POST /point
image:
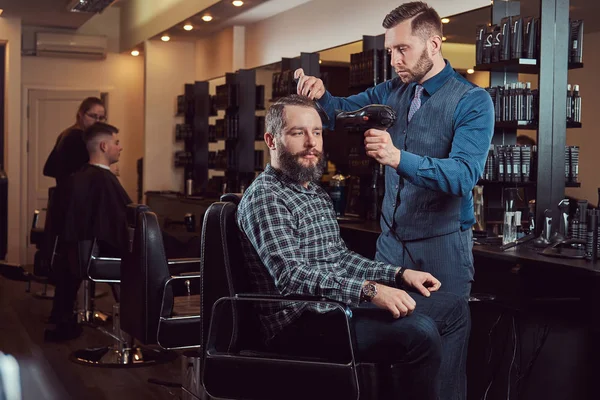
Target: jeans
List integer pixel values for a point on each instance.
(427, 350)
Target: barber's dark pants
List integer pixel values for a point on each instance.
(426, 349)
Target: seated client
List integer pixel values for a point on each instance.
(292, 245)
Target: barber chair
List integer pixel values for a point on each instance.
(46, 244)
(236, 364)
(158, 307)
(93, 268)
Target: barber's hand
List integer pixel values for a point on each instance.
(424, 282)
(379, 145)
(309, 86)
(397, 301)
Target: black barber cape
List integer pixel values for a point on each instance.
(96, 209)
(67, 156)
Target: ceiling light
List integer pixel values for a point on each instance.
(1, 11)
(206, 18)
(470, 71)
(444, 38)
(445, 20)
(165, 38)
(188, 27)
(237, 3)
(135, 53)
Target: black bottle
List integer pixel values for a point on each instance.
(576, 104)
(569, 104)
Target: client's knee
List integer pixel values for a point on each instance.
(425, 342)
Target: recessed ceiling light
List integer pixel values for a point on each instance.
(470, 71)
(1, 11)
(445, 20)
(206, 18)
(165, 38)
(188, 27)
(135, 53)
(237, 3)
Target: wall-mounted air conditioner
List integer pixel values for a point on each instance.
(71, 45)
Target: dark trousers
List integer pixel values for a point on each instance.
(427, 350)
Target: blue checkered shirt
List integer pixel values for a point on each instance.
(292, 245)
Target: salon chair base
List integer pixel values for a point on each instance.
(112, 356)
(47, 293)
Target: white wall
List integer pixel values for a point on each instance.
(323, 24)
(106, 24)
(168, 67)
(10, 33)
(214, 55)
(122, 76)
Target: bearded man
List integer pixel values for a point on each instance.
(292, 245)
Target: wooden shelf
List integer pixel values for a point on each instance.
(521, 65)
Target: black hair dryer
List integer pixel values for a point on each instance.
(373, 116)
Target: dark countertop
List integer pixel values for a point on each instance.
(521, 254)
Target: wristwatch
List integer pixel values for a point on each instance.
(369, 290)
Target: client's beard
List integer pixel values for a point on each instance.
(290, 165)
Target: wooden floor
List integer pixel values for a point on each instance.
(46, 371)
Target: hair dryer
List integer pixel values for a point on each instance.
(373, 116)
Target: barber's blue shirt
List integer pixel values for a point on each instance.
(474, 122)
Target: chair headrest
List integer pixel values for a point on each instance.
(132, 211)
(231, 198)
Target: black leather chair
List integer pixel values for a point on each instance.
(236, 364)
(157, 306)
(93, 268)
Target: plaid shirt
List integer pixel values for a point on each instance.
(292, 245)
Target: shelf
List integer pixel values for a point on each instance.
(521, 65)
(532, 125)
(483, 182)
(504, 183)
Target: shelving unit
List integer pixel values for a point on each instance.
(194, 106)
(551, 125)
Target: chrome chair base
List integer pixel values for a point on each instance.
(47, 293)
(111, 356)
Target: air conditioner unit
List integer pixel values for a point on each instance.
(71, 45)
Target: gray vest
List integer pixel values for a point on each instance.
(422, 213)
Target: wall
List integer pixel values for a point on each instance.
(168, 67)
(10, 33)
(106, 24)
(122, 77)
(214, 55)
(587, 137)
(310, 26)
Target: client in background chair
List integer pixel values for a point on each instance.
(292, 245)
(97, 210)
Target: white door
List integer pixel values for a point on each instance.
(49, 113)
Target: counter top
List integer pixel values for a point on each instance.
(524, 253)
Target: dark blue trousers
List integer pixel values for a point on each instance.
(427, 350)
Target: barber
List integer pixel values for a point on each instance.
(434, 154)
(68, 156)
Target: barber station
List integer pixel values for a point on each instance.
(201, 201)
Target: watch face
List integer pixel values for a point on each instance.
(369, 291)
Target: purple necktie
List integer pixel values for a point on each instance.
(415, 104)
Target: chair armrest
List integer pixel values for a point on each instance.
(289, 297)
(179, 261)
(169, 281)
